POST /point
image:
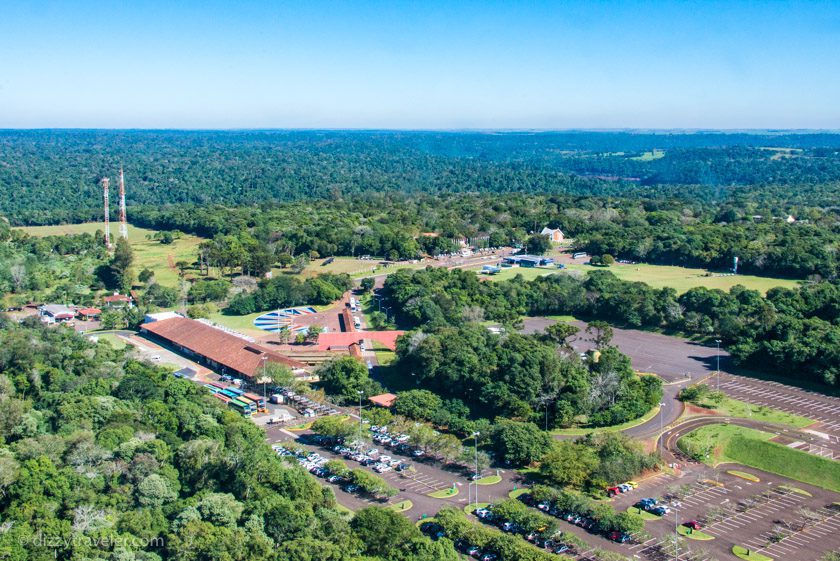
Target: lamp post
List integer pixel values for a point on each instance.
(676, 532)
(264, 359)
(717, 352)
(661, 424)
(475, 436)
(360, 392)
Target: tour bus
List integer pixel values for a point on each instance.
(259, 400)
(213, 389)
(237, 391)
(357, 322)
(222, 398)
(217, 385)
(227, 393)
(579, 255)
(239, 407)
(353, 304)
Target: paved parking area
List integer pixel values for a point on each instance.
(757, 513)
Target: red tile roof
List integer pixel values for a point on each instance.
(89, 312)
(383, 400)
(117, 298)
(335, 339)
(214, 344)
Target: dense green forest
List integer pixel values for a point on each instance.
(52, 175)
(669, 231)
(787, 331)
(103, 457)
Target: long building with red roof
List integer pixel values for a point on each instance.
(218, 349)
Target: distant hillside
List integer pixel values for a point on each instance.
(49, 176)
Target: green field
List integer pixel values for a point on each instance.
(112, 340)
(729, 443)
(734, 408)
(151, 254)
(528, 273)
(356, 268)
(242, 324)
(682, 279)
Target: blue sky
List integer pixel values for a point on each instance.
(428, 65)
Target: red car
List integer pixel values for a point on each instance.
(693, 524)
(613, 491)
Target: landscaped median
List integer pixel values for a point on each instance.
(614, 428)
(748, 554)
(720, 443)
(702, 395)
(687, 532)
(643, 514)
(444, 493)
(489, 480)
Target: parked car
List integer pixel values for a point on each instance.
(619, 537)
(693, 524)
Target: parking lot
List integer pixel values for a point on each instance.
(765, 516)
(424, 477)
(824, 409)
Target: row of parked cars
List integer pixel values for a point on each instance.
(581, 520)
(621, 488)
(381, 463)
(397, 441)
(537, 538)
(314, 463)
(436, 531)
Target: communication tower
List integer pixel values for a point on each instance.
(105, 183)
(123, 223)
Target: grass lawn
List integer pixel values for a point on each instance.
(713, 441)
(728, 443)
(356, 268)
(735, 408)
(443, 493)
(472, 507)
(112, 340)
(682, 279)
(528, 273)
(796, 490)
(643, 514)
(402, 506)
(749, 555)
(489, 480)
(518, 492)
(148, 253)
(693, 534)
(623, 426)
(744, 475)
(650, 155)
(384, 356)
(243, 324)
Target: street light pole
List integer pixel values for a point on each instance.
(661, 424)
(676, 533)
(264, 364)
(360, 392)
(475, 436)
(717, 345)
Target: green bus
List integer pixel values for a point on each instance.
(240, 407)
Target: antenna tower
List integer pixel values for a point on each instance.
(105, 183)
(123, 223)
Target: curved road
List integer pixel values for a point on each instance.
(670, 437)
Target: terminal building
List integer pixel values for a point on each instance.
(218, 349)
(528, 260)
